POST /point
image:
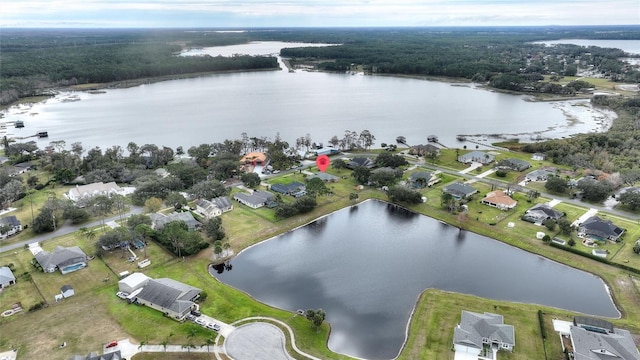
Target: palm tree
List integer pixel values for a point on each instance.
(226, 247)
(208, 342)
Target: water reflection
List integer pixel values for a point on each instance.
(368, 267)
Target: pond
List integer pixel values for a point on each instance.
(366, 266)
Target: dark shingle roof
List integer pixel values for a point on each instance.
(604, 228)
(10, 220)
(459, 189)
(169, 294)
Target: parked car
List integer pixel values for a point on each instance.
(111, 344)
(200, 321)
(213, 326)
(196, 313)
(191, 317)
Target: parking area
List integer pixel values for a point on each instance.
(213, 324)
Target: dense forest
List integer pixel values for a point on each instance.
(34, 61)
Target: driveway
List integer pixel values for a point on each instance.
(256, 340)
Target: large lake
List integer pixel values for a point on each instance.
(217, 107)
(366, 266)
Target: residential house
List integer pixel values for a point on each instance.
(476, 156)
(538, 156)
(82, 193)
(324, 177)
(22, 167)
(254, 158)
(422, 150)
(114, 355)
(541, 212)
(9, 225)
(294, 189)
(215, 207)
(539, 175)
(171, 297)
(163, 173)
(255, 199)
(459, 190)
(421, 179)
(513, 164)
(223, 203)
(476, 332)
(596, 339)
(6, 277)
(498, 199)
(599, 229)
(67, 291)
(133, 282)
(158, 222)
(326, 151)
(361, 161)
(64, 259)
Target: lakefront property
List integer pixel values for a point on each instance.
(248, 226)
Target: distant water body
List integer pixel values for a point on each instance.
(629, 46)
(208, 109)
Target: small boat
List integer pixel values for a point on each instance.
(19, 124)
(42, 134)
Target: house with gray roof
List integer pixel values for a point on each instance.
(324, 177)
(541, 212)
(422, 179)
(171, 297)
(255, 199)
(459, 190)
(596, 339)
(114, 355)
(476, 332)
(159, 222)
(214, 207)
(361, 161)
(422, 150)
(539, 175)
(64, 259)
(9, 225)
(513, 164)
(477, 157)
(6, 277)
(599, 229)
(294, 189)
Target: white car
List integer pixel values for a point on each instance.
(122, 295)
(213, 326)
(200, 321)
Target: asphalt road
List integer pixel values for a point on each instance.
(68, 228)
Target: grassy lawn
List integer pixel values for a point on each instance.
(438, 312)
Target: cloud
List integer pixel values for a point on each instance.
(232, 13)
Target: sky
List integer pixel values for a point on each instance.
(314, 13)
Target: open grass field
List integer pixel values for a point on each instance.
(432, 339)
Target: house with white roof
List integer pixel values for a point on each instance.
(6, 277)
(82, 193)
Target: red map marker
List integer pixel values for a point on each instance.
(323, 162)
